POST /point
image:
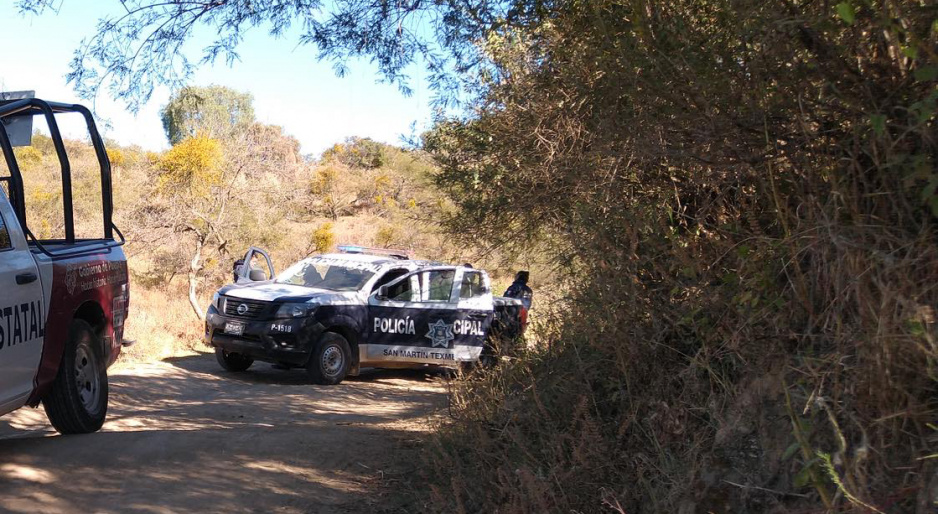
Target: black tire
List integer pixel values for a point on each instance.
(330, 361)
(232, 361)
(77, 403)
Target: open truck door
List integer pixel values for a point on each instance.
(255, 266)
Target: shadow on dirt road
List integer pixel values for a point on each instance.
(184, 436)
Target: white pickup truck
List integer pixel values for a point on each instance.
(62, 301)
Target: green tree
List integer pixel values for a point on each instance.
(193, 165)
(212, 195)
(145, 44)
(192, 185)
(323, 239)
(214, 111)
(357, 152)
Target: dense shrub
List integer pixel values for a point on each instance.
(323, 238)
(741, 196)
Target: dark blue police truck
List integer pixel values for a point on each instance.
(334, 314)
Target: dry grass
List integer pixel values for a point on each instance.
(162, 324)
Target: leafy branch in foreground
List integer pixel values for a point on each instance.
(143, 46)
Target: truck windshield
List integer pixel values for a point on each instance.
(329, 274)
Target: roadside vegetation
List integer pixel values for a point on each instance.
(742, 197)
(737, 205)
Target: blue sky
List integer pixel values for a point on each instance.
(290, 87)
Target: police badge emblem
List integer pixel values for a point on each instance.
(440, 334)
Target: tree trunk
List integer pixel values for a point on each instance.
(194, 266)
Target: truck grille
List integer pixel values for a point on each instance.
(252, 309)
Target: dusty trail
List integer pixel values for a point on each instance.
(184, 436)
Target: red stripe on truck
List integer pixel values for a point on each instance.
(83, 287)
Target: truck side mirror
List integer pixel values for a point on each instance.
(257, 275)
(382, 293)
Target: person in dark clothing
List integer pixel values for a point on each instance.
(237, 268)
(519, 289)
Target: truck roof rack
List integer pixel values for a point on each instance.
(387, 252)
(12, 108)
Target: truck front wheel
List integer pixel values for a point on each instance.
(232, 361)
(77, 403)
(330, 360)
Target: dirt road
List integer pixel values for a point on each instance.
(183, 436)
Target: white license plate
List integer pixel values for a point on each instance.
(234, 328)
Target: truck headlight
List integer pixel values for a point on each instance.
(218, 301)
(296, 310)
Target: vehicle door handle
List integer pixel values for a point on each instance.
(478, 315)
(26, 278)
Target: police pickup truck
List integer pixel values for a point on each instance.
(334, 314)
(62, 301)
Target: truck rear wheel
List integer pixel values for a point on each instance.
(330, 360)
(77, 403)
(232, 361)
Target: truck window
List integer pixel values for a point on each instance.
(389, 277)
(428, 286)
(436, 285)
(472, 285)
(403, 291)
(5, 243)
(322, 273)
(259, 263)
